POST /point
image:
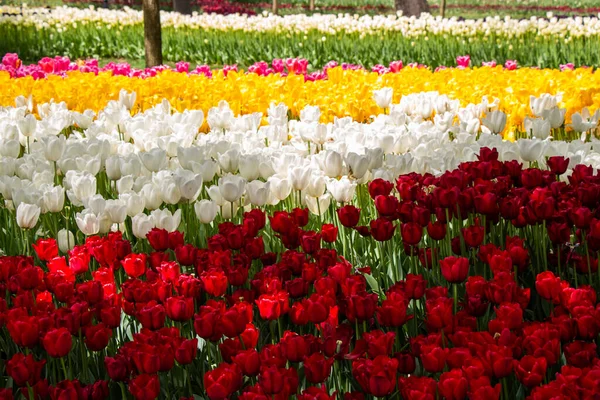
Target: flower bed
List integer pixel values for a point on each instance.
(367, 40)
(342, 91)
(223, 234)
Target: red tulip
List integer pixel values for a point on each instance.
(57, 342)
(376, 377)
(180, 308)
(317, 368)
(453, 385)
(531, 370)
(186, 352)
(158, 239)
(145, 387)
(248, 361)
(46, 249)
(223, 381)
(455, 269)
(134, 265)
(97, 337)
(329, 233)
(349, 216)
(24, 370)
(382, 229)
(215, 282)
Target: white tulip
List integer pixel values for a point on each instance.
(556, 116)
(163, 219)
(170, 191)
(134, 203)
(229, 161)
(342, 190)
(152, 196)
(281, 188)
(277, 114)
(113, 167)
(96, 204)
(359, 165)
(258, 192)
(54, 199)
(538, 128)
(141, 224)
(317, 186)
(206, 211)
(154, 160)
(300, 177)
(383, 97)
(332, 164)
(318, 205)
(544, 102)
(126, 99)
(310, 114)
(190, 184)
(27, 125)
(220, 118)
(28, 215)
(232, 187)
(10, 148)
(125, 184)
(66, 240)
(87, 222)
(248, 166)
(54, 147)
(116, 210)
(229, 209)
(495, 121)
(530, 149)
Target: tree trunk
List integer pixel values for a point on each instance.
(182, 6)
(275, 7)
(152, 34)
(412, 7)
(443, 8)
(311, 5)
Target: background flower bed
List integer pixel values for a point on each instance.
(67, 33)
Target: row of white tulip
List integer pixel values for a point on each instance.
(70, 17)
(154, 165)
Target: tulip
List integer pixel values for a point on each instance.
(455, 269)
(258, 192)
(57, 342)
(66, 240)
(154, 160)
(54, 199)
(54, 147)
(142, 224)
(383, 97)
(232, 187)
(495, 121)
(206, 211)
(320, 205)
(538, 128)
(28, 215)
(163, 219)
(342, 190)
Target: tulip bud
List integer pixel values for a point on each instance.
(163, 219)
(66, 240)
(154, 160)
(206, 211)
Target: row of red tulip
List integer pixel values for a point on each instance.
(480, 283)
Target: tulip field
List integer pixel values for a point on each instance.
(323, 207)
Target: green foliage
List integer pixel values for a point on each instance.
(243, 48)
